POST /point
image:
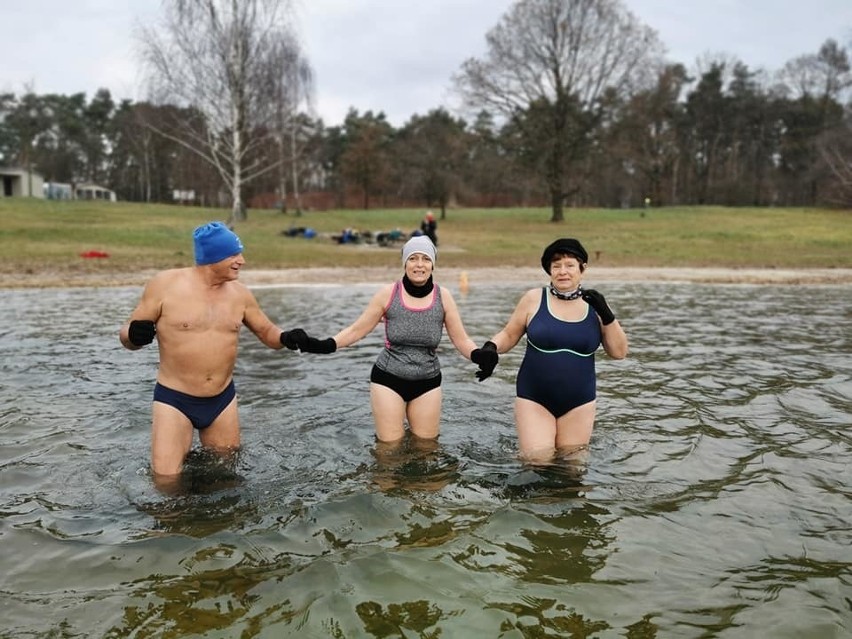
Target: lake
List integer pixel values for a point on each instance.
(715, 500)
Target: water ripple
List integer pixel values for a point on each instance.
(714, 501)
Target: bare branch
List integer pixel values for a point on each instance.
(551, 62)
(222, 61)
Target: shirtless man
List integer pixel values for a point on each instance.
(196, 314)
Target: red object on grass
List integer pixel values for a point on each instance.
(89, 254)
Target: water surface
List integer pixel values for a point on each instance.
(715, 500)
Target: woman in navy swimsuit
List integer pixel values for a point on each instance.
(565, 324)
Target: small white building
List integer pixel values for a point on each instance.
(16, 182)
(94, 192)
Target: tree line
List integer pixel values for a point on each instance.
(573, 104)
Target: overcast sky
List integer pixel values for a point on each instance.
(396, 56)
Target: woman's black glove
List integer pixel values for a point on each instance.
(141, 332)
(294, 339)
(597, 302)
(486, 357)
(321, 346)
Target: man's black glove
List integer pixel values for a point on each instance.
(486, 357)
(321, 346)
(294, 339)
(597, 302)
(141, 332)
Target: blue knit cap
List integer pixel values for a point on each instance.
(215, 242)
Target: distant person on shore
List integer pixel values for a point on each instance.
(196, 314)
(429, 227)
(405, 382)
(556, 383)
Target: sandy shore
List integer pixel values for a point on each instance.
(449, 276)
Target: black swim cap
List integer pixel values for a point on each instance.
(567, 245)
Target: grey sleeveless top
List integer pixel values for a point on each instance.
(411, 337)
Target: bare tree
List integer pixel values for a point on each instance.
(562, 58)
(835, 147)
(295, 91)
(219, 59)
(819, 83)
(825, 75)
(135, 121)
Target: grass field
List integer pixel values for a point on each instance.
(50, 235)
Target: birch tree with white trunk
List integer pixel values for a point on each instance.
(220, 60)
(295, 89)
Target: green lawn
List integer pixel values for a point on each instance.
(50, 235)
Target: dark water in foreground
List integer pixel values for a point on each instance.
(716, 500)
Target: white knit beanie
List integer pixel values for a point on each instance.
(418, 244)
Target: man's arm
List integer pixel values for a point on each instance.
(141, 328)
(259, 324)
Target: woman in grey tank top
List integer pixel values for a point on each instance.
(405, 383)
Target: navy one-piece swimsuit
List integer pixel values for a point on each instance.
(558, 370)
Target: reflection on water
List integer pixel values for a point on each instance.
(414, 464)
(713, 500)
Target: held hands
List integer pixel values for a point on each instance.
(293, 339)
(299, 339)
(486, 357)
(321, 346)
(141, 332)
(597, 302)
